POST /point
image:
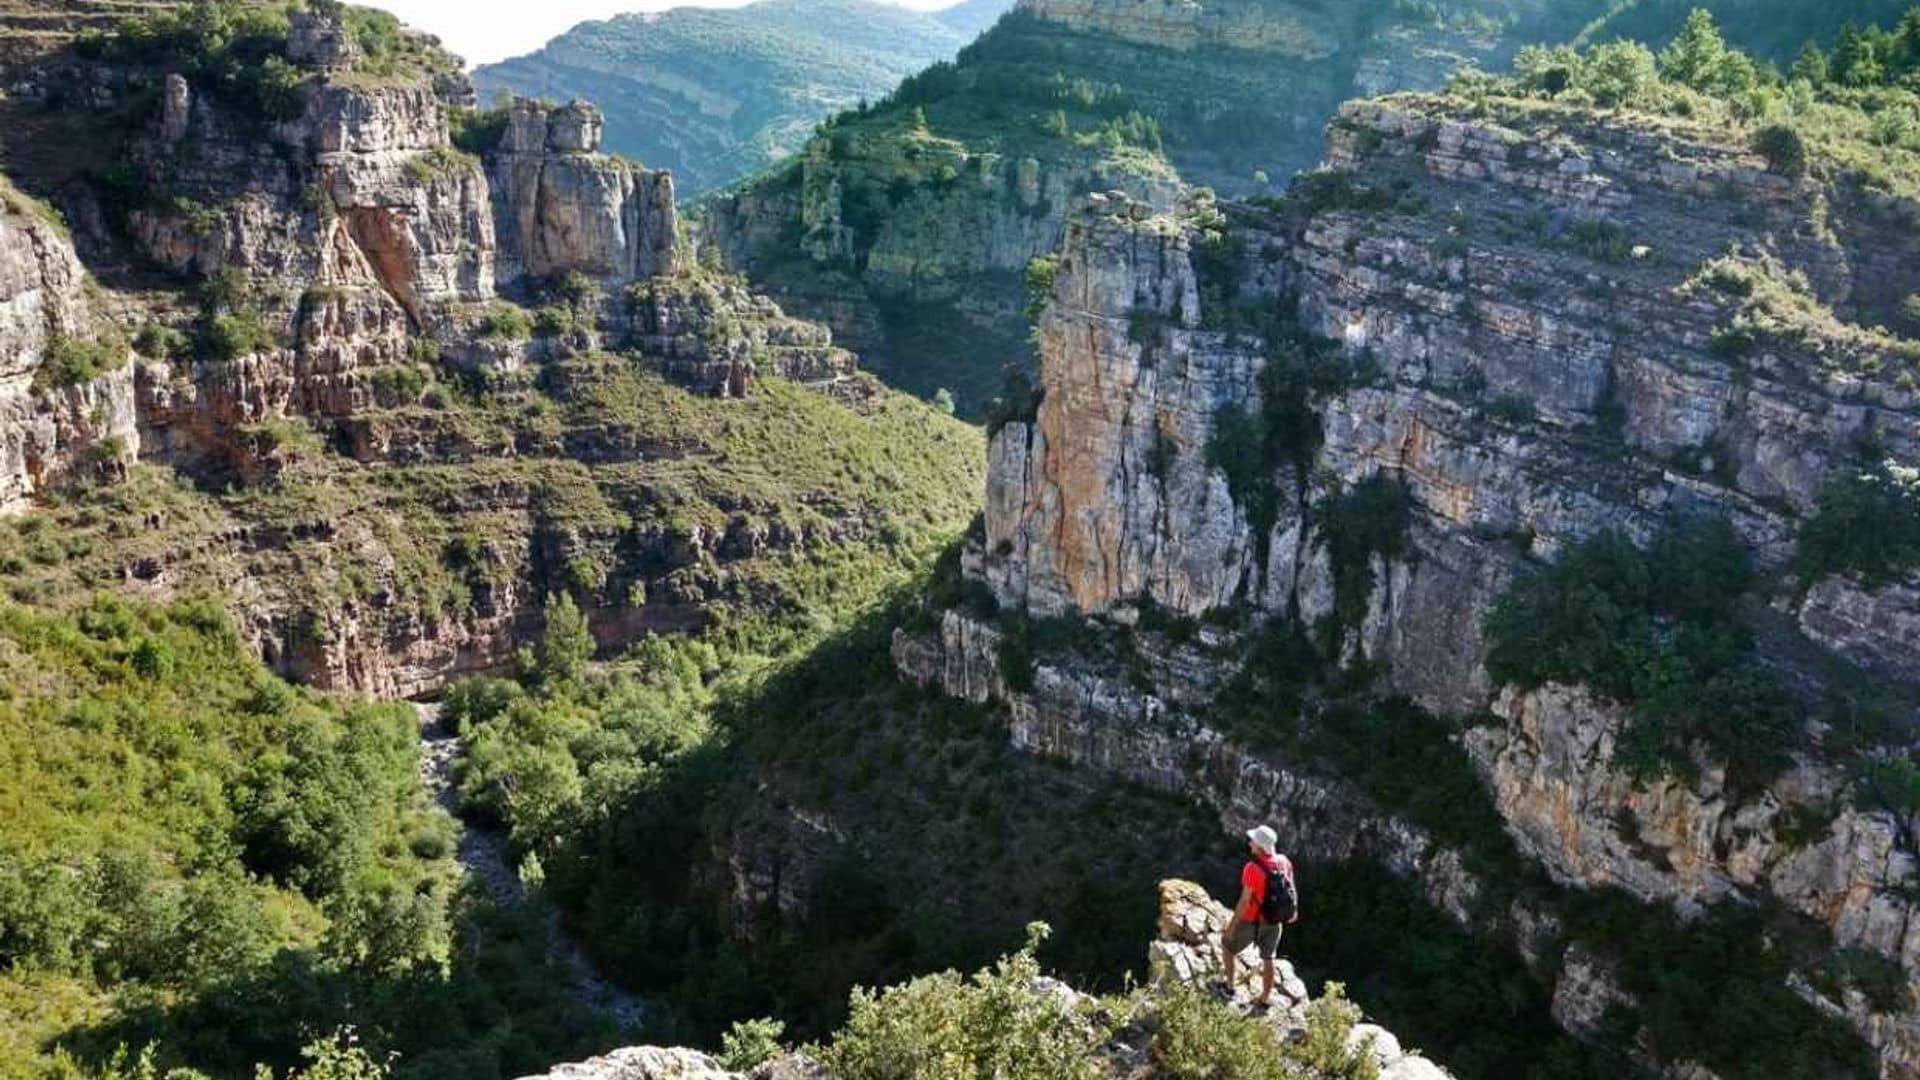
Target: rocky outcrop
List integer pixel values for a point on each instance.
(55, 425)
(716, 335)
(356, 310)
(657, 1063)
(1522, 337)
(1185, 953)
(566, 208)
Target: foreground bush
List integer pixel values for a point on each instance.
(1002, 1023)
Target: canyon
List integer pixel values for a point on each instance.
(1285, 522)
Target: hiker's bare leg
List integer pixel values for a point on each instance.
(1226, 958)
(1266, 980)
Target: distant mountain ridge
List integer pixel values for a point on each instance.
(714, 94)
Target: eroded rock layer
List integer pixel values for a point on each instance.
(1523, 327)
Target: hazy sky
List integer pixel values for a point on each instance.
(495, 29)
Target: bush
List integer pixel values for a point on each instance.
(566, 645)
(161, 342)
(1002, 1022)
(1368, 519)
(1513, 409)
(232, 335)
(750, 1043)
(1202, 1038)
(479, 131)
(1658, 630)
(1784, 149)
(72, 361)
(505, 322)
(1866, 524)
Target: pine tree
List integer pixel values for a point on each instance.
(1906, 42)
(1698, 55)
(567, 644)
(1855, 61)
(1811, 65)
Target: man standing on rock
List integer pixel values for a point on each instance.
(1267, 899)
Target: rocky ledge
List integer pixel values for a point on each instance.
(1185, 954)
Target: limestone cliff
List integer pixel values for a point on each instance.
(66, 399)
(907, 226)
(1521, 319)
(434, 385)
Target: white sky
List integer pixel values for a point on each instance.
(495, 29)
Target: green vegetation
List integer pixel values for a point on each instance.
(234, 860)
(238, 50)
(503, 321)
(1366, 521)
(1835, 115)
(1784, 149)
(1002, 1023)
(649, 752)
(1770, 307)
(1658, 629)
(73, 361)
(233, 49)
(1773, 30)
(1866, 525)
(1744, 1020)
(1257, 447)
(231, 325)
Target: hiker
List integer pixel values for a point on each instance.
(1268, 898)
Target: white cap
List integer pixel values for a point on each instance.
(1264, 838)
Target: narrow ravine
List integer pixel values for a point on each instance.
(483, 857)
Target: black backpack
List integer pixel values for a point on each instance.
(1282, 900)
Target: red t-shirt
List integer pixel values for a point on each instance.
(1254, 879)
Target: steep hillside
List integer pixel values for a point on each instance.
(327, 375)
(713, 95)
(909, 226)
(1477, 512)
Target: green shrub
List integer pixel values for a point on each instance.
(398, 384)
(232, 336)
(1042, 271)
(1513, 409)
(1784, 149)
(554, 320)
(162, 342)
(1202, 1038)
(1368, 519)
(1601, 240)
(566, 645)
(750, 1043)
(479, 131)
(1866, 524)
(505, 322)
(72, 361)
(1658, 630)
(1001, 1022)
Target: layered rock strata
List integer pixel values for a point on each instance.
(355, 302)
(1530, 330)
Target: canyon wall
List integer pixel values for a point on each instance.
(1521, 332)
(306, 304)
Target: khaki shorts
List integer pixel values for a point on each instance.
(1246, 933)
